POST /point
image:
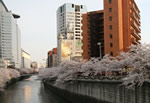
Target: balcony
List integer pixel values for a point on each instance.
(133, 8)
(136, 19)
(138, 22)
(135, 26)
(136, 35)
(137, 15)
(131, 14)
(133, 40)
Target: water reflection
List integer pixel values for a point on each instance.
(29, 91)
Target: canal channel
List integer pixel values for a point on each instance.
(30, 90)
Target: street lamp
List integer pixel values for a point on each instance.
(99, 44)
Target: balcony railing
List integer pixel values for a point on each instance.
(135, 34)
(136, 19)
(135, 10)
(135, 26)
(133, 41)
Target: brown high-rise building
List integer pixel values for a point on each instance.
(121, 29)
(93, 32)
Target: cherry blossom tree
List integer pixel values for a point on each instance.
(136, 64)
(138, 59)
(6, 75)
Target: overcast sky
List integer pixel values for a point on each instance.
(38, 22)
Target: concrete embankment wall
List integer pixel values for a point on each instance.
(102, 92)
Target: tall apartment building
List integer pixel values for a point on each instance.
(121, 27)
(69, 25)
(93, 33)
(10, 48)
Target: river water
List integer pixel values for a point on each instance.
(29, 91)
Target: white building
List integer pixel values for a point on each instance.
(10, 46)
(69, 25)
(26, 59)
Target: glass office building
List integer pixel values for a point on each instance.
(69, 25)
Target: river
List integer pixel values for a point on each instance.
(30, 90)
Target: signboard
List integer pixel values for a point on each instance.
(66, 50)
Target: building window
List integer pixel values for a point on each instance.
(111, 44)
(77, 34)
(77, 22)
(81, 7)
(77, 8)
(72, 5)
(110, 18)
(110, 9)
(110, 35)
(111, 53)
(110, 1)
(77, 25)
(110, 27)
(77, 31)
(77, 28)
(61, 10)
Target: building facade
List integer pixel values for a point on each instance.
(121, 28)
(52, 58)
(65, 48)
(69, 25)
(93, 33)
(26, 59)
(10, 46)
(49, 59)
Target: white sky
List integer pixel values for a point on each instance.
(38, 22)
